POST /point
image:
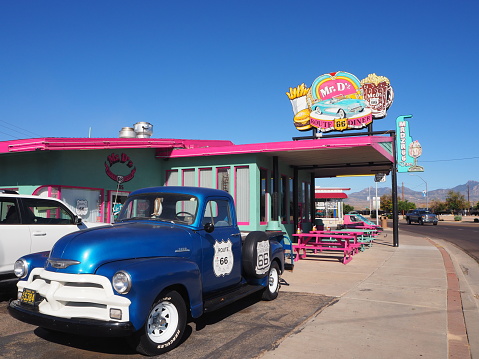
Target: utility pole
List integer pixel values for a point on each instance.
(468, 203)
(427, 194)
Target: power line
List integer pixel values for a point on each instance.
(17, 138)
(17, 129)
(453, 159)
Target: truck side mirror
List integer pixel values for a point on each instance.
(209, 227)
(78, 220)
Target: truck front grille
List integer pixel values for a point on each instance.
(87, 296)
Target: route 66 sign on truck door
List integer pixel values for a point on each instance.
(223, 259)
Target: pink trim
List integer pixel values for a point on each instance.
(343, 142)
(50, 143)
(243, 223)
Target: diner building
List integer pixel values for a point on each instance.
(273, 184)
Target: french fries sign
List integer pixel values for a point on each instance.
(338, 101)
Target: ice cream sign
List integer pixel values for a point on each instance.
(407, 150)
(338, 101)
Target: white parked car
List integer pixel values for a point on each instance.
(30, 224)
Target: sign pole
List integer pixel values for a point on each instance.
(394, 186)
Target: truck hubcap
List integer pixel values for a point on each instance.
(273, 280)
(162, 322)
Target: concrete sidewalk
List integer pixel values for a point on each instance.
(393, 302)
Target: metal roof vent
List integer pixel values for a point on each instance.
(127, 132)
(143, 129)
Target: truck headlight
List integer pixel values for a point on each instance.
(20, 268)
(121, 282)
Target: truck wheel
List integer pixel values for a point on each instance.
(256, 255)
(272, 290)
(164, 326)
(408, 221)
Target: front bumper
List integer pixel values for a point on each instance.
(89, 327)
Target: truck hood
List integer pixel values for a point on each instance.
(97, 246)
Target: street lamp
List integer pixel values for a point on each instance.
(427, 194)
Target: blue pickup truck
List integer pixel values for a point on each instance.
(173, 254)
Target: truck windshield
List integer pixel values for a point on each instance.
(166, 207)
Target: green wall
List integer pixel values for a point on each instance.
(86, 168)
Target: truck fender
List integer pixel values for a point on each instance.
(256, 255)
(35, 260)
(151, 276)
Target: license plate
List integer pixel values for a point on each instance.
(28, 296)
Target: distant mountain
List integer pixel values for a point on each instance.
(359, 200)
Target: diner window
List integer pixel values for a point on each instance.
(171, 178)
(306, 195)
(264, 191)
(188, 177)
(291, 200)
(242, 195)
(284, 198)
(223, 179)
(86, 203)
(206, 177)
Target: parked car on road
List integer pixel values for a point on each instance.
(421, 216)
(31, 224)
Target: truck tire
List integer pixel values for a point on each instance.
(272, 289)
(164, 326)
(256, 255)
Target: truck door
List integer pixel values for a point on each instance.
(221, 249)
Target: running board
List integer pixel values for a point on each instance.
(227, 297)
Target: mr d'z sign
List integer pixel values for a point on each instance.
(124, 159)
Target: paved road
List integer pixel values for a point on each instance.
(463, 235)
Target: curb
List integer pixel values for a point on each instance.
(458, 342)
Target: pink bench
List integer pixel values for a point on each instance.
(347, 243)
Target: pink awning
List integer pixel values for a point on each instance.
(330, 195)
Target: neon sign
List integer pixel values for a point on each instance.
(338, 101)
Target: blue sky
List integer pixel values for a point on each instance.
(220, 69)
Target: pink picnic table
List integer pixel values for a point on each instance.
(346, 242)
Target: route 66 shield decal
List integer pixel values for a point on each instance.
(223, 259)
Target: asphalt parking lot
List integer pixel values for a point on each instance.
(241, 330)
